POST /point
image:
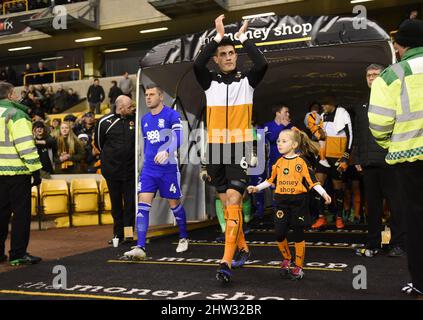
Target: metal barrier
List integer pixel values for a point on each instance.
(53, 73)
(6, 4)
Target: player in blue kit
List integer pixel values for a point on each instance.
(162, 132)
(273, 129)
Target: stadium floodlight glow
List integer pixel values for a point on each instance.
(359, 1)
(154, 30)
(115, 50)
(258, 15)
(19, 49)
(52, 58)
(88, 39)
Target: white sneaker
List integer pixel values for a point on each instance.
(182, 245)
(136, 253)
(324, 163)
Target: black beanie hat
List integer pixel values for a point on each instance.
(410, 33)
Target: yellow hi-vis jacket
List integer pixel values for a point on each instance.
(396, 109)
(18, 154)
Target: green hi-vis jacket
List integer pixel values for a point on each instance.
(18, 154)
(396, 109)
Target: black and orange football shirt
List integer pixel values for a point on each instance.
(292, 175)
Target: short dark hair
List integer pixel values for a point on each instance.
(5, 89)
(152, 86)
(314, 103)
(226, 42)
(328, 100)
(114, 82)
(70, 117)
(38, 124)
(278, 107)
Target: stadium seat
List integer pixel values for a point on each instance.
(54, 197)
(34, 201)
(84, 199)
(106, 217)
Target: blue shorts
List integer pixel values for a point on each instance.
(167, 183)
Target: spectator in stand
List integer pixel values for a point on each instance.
(86, 126)
(49, 100)
(59, 100)
(3, 75)
(29, 79)
(72, 120)
(413, 14)
(11, 75)
(55, 127)
(114, 92)
(39, 93)
(43, 78)
(38, 115)
(70, 151)
(126, 85)
(46, 146)
(71, 98)
(30, 102)
(95, 96)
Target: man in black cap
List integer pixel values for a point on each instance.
(396, 122)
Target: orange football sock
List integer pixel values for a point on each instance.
(299, 253)
(284, 249)
(232, 234)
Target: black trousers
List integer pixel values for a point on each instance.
(409, 177)
(379, 184)
(122, 197)
(15, 196)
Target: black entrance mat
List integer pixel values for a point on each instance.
(332, 271)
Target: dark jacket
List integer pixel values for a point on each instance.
(95, 94)
(115, 138)
(114, 93)
(43, 152)
(366, 151)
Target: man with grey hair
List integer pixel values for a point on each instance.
(378, 180)
(115, 138)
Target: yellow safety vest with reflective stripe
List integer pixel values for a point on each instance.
(18, 154)
(396, 109)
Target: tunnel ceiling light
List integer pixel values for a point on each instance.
(52, 58)
(88, 39)
(115, 50)
(359, 1)
(19, 49)
(154, 30)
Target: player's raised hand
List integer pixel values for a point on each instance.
(243, 29)
(161, 157)
(327, 198)
(252, 189)
(220, 28)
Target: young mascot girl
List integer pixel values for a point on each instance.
(294, 177)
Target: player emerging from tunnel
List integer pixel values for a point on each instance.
(229, 95)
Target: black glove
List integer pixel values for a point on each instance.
(203, 174)
(36, 178)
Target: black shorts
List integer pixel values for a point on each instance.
(224, 167)
(351, 174)
(295, 208)
(331, 172)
